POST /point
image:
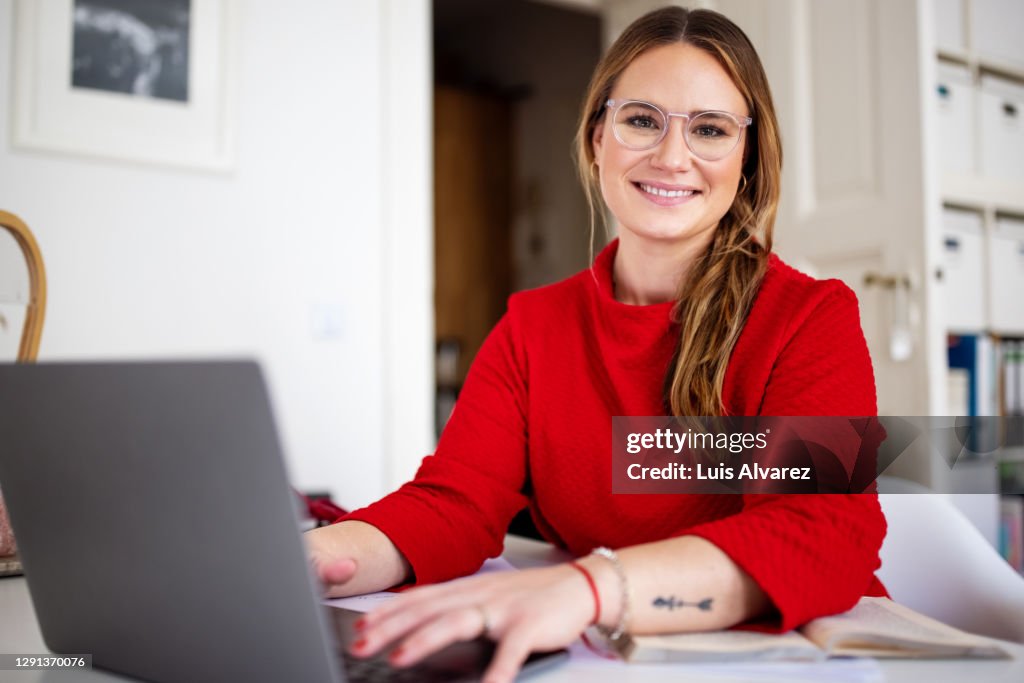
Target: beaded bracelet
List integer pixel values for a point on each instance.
(611, 556)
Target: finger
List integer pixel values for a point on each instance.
(337, 571)
(389, 609)
(376, 634)
(439, 597)
(333, 573)
(450, 627)
(512, 651)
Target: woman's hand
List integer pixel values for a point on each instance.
(353, 557)
(523, 611)
(332, 565)
(333, 571)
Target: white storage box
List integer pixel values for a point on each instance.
(954, 93)
(1001, 119)
(997, 28)
(963, 270)
(949, 25)
(1006, 276)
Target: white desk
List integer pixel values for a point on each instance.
(19, 633)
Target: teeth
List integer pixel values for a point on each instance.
(665, 193)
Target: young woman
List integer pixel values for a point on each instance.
(686, 313)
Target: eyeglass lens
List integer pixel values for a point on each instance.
(710, 135)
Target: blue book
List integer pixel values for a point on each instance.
(977, 355)
(963, 354)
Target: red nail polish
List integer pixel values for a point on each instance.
(360, 623)
(395, 655)
(359, 644)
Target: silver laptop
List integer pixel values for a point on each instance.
(158, 532)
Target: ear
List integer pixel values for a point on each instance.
(597, 139)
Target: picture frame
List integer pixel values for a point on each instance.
(52, 115)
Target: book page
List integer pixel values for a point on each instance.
(878, 627)
(720, 646)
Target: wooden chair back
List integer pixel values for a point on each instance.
(35, 311)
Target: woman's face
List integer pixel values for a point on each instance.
(678, 78)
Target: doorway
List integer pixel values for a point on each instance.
(509, 213)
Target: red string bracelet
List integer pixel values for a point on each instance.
(593, 589)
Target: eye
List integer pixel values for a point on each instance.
(708, 131)
(713, 126)
(642, 122)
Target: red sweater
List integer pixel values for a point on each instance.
(532, 426)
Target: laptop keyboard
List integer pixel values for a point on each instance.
(379, 671)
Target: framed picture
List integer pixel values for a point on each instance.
(136, 80)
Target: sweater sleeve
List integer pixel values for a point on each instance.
(455, 513)
(815, 554)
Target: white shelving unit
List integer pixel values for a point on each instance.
(979, 102)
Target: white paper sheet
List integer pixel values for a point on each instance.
(365, 603)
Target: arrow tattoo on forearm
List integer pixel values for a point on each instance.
(672, 602)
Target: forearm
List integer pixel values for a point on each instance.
(379, 564)
(679, 584)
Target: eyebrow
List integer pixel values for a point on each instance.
(692, 112)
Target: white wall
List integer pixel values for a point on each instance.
(155, 262)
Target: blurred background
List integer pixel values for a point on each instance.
(348, 192)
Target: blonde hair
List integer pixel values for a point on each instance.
(716, 295)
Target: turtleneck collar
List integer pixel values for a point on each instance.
(604, 275)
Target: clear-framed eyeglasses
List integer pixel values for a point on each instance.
(710, 135)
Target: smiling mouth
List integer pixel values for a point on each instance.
(662, 192)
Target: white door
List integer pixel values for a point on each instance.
(848, 85)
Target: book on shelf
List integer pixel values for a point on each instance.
(1011, 530)
(958, 391)
(1013, 376)
(1012, 394)
(875, 627)
(974, 356)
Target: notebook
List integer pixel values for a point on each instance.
(158, 531)
(10, 566)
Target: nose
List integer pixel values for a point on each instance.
(672, 153)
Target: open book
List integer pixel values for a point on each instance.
(875, 627)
